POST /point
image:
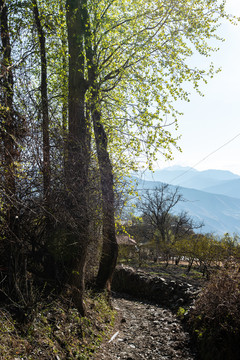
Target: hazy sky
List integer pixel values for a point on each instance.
(211, 121)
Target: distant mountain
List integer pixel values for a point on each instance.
(208, 180)
(169, 175)
(220, 174)
(219, 213)
(229, 188)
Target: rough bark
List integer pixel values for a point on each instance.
(78, 152)
(64, 99)
(7, 119)
(44, 106)
(10, 152)
(109, 248)
(49, 263)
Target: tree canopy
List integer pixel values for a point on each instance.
(85, 88)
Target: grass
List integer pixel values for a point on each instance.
(171, 271)
(56, 331)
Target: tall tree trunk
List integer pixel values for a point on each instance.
(45, 112)
(49, 263)
(8, 134)
(7, 103)
(109, 247)
(64, 94)
(78, 151)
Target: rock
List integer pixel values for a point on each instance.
(149, 333)
(170, 293)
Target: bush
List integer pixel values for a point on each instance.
(215, 317)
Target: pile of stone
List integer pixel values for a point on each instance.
(169, 293)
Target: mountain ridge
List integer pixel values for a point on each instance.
(220, 213)
(213, 181)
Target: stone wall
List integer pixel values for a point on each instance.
(169, 293)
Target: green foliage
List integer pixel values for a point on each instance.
(140, 55)
(205, 252)
(135, 66)
(230, 246)
(181, 313)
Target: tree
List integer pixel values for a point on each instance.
(95, 97)
(78, 149)
(157, 208)
(144, 71)
(44, 105)
(133, 43)
(9, 144)
(9, 134)
(8, 124)
(139, 37)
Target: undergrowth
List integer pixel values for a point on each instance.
(56, 331)
(215, 317)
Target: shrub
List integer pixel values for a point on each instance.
(215, 317)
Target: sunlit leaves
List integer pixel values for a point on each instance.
(141, 51)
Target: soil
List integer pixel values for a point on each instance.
(142, 330)
(147, 331)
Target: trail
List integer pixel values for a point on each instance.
(145, 331)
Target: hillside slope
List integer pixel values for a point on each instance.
(229, 188)
(208, 180)
(219, 213)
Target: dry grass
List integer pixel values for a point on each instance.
(215, 318)
(56, 331)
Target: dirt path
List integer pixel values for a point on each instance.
(145, 331)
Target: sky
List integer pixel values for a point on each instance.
(212, 121)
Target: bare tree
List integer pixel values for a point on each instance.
(157, 209)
